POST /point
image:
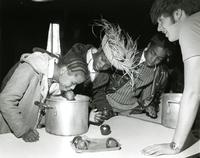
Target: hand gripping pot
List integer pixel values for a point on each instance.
(170, 109)
(67, 117)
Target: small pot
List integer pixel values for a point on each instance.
(170, 109)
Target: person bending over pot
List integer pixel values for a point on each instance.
(117, 50)
(30, 81)
(139, 93)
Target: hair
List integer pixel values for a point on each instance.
(73, 64)
(160, 40)
(167, 8)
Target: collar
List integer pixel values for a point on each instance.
(142, 59)
(89, 60)
(51, 67)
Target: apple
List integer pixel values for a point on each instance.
(105, 129)
(82, 145)
(111, 143)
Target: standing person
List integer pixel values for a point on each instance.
(180, 20)
(37, 75)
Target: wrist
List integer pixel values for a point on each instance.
(174, 146)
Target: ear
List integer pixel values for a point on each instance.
(177, 14)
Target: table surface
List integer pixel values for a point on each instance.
(133, 135)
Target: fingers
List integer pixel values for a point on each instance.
(98, 117)
(158, 149)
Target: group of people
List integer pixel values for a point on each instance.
(116, 76)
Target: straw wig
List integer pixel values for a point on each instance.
(119, 48)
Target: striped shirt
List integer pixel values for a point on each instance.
(127, 94)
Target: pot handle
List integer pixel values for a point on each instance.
(168, 104)
(42, 105)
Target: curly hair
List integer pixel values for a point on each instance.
(167, 7)
(160, 40)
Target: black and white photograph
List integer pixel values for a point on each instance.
(99, 78)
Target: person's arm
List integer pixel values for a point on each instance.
(189, 102)
(187, 113)
(99, 99)
(11, 96)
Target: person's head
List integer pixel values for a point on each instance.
(117, 49)
(100, 61)
(70, 72)
(170, 13)
(157, 50)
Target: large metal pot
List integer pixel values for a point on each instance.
(66, 117)
(170, 109)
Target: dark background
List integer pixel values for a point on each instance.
(24, 24)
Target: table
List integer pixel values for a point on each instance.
(133, 134)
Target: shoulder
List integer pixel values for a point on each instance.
(189, 38)
(190, 26)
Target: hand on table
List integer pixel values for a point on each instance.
(159, 149)
(31, 135)
(96, 116)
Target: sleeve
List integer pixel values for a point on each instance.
(8, 76)
(11, 96)
(152, 96)
(189, 39)
(145, 96)
(99, 99)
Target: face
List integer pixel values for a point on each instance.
(68, 79)
(154, 55)
(169, 27)
(100, 62)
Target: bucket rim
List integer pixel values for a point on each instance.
(60, 98)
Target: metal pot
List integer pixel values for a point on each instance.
(67, 117)
(170, 109)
